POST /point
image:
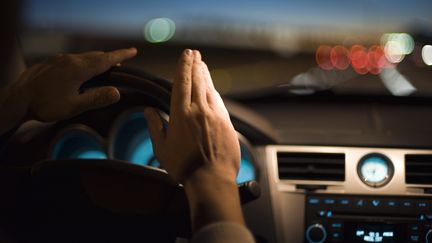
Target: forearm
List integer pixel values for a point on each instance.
(213, 198)
(13, 108)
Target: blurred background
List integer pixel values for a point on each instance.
(365, 47)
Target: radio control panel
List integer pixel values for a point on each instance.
(356, 218)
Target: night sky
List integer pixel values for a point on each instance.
(128, 14)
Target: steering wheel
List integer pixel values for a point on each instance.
(110, 198)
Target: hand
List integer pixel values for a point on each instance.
(200, 147)
(200, 137)
(51, 88)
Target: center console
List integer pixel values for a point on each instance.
(344, 218)
(350, 194)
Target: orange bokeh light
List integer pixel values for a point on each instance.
(359, 57)
(323, 57)
(339, 57)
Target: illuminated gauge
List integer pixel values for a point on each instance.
(375, 170)
(132, 141)
(247, 168)
(78, 142)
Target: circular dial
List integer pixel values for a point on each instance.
(316, 233)
(375, 170)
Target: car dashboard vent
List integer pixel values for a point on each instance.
(311, 166)
(418, 168)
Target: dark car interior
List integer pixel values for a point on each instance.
(331, 103)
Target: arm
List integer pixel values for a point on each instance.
(49, 91)
(200, 148)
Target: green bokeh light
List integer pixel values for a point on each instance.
(159, 30)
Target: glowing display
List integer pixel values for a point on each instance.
(374, 169)
(78, 144)
(247, 169)
(91, 154)
(133, 143)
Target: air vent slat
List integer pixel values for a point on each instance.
(418, 168)
(311, 166)
(309, 160)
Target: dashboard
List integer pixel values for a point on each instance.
(327, 171)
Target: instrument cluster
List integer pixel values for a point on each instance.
(128, 140)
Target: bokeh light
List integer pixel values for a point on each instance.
(339, 57)
(427, 54)
(397, 46)
(358, 56)
(323, 57)
(376, 59)
(159, 30)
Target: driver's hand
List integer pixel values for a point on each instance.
(51, 88)
(200, 139)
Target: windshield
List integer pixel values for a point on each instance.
(347, 47)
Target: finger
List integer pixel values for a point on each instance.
(97, 62)
(33, 71)
(198, 82)
(96, 98)
(182, 86)
(156, 129)
(210, 90)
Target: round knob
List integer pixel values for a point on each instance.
(316, 233)
(428, 236)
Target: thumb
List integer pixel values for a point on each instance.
(156, 128)
(97, 98)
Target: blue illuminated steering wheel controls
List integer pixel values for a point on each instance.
(78, 142)
(375, 169)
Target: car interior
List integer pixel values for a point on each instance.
(331, 102)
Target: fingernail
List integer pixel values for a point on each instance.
(197, 54)
(188, 52)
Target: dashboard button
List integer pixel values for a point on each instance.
(336, 225)
(422, 204)
(321, 213)
(422, 217)
(375, 202)
(329, 201)
(344, 201)
(313, 201)
(336, 235)
(391, 203)
(407, 204)
(359, 202)
(414, 238)
(414, 227)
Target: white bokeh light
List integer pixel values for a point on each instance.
(427, 54)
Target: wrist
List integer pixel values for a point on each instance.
(206, 178)
(213, 197)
